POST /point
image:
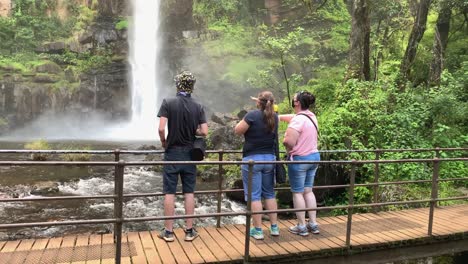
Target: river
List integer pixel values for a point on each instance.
(21, 182)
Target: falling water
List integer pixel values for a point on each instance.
(144, 51)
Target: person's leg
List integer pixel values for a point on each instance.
(309, 195)
(299, 203)
(189, 177)
(311, 202)
(257, 218)
(255, 198)
(169, 210)
(189, 209)
(271, 204)
(268, 188)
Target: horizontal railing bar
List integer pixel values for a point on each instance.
(136, 195)
(64, 151)
(152, 163)
(57, 198)
(155, 218)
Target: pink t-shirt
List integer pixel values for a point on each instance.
(307, 142)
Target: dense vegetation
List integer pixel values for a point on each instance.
(305, 45)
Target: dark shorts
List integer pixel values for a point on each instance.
(188, 173)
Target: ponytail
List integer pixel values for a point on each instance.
(266, 101)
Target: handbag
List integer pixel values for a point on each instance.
(280, 173)
(197, 153)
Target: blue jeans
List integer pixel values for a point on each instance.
(188, 172)
(263, 181)
(302, 175)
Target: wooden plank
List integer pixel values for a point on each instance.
(311, 243)
(223, 243)
(203, 249)
(51, 251)
(178, 252)
(189, 246)
(289, 237)
(126, 251)
(81, 249)
(163, 248)
(149, 247)
(36, 252)
(240, 237)
(21, 251)
(278, 242)
(372, 229)
(336, 230)
(395, 236)
(271, 242)
(93, 254)
(140, 257)
(8, 249)
(108, 249)
(66, 249)
(211, 245)
(2, 243)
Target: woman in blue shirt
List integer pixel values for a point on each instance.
(259, 128)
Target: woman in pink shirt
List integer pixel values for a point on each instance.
(300, 140)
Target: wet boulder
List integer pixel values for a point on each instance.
(45, 188)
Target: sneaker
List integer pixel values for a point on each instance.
(298, 230)
(274, 231)
(256, 234)
(313, 228)
(168, 236)
(190, 235)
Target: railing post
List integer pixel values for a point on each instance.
(220, 185)
(118, 209)
(376, 181)
(116, 169)
(350, 203)
(434, 194)
(248, 214)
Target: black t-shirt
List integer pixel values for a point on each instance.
(183, 117)
(258, 140)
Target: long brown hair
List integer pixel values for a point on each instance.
(266, 103)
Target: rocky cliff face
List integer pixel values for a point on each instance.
(55, 89)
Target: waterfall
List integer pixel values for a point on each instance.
(145, 45)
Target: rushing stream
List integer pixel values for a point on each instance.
(22, 181)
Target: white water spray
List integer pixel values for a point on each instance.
(145, 46)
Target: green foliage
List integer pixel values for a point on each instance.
(206, 12)
(121, 24)
(38, 145)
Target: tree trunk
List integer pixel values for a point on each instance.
(105, 9)
(359, 42)
(440, 43)
(273, 7)
(416, 35)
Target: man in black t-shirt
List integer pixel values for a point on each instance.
(185, 119)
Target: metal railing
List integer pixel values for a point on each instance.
(118, 197)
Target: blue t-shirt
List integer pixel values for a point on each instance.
(258, 140)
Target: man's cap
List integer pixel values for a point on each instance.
(185, 81)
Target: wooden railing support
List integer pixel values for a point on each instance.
(248, 213)
(350, 203)
(434, 194)
(220, 186)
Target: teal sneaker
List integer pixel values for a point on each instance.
(274, 231)
(256, 234)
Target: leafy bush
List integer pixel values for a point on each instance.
(38, 145)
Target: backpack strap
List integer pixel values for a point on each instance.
(318, 134)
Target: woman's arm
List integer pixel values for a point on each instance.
(241, 127)
(290, 138)
(286, 118)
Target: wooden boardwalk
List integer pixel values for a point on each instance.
(226, 244)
